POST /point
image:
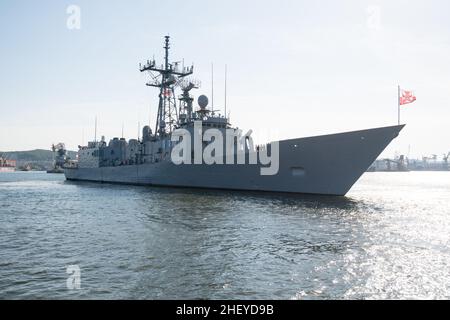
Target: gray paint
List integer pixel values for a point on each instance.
(328, 164)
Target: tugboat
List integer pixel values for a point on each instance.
(174, 153)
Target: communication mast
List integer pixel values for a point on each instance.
(166, 77)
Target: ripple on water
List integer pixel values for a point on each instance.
(387, 239)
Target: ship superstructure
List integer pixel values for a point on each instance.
(59, 158)
(304, 164)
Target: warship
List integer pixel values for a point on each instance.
(327, 164)
(59, 158)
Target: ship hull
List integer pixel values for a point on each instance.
(328, 164)
(7, 169)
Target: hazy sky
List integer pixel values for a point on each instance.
(295, 68)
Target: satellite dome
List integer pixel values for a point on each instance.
(203, 101)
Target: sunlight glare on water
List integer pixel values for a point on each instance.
(388, 238)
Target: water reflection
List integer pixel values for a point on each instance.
(227, 242)
(210, 196)
(388, 238)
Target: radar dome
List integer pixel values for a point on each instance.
(203, 101)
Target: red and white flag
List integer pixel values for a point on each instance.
(407, 97)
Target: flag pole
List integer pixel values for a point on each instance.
(226, 93)
(398, 102)
(212, 86)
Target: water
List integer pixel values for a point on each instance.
(389, 238)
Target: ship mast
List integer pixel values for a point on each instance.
(166, 78)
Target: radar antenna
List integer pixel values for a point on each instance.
(186, 109)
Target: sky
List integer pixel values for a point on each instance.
(295, 68)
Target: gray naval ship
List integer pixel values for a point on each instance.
(327, 164)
